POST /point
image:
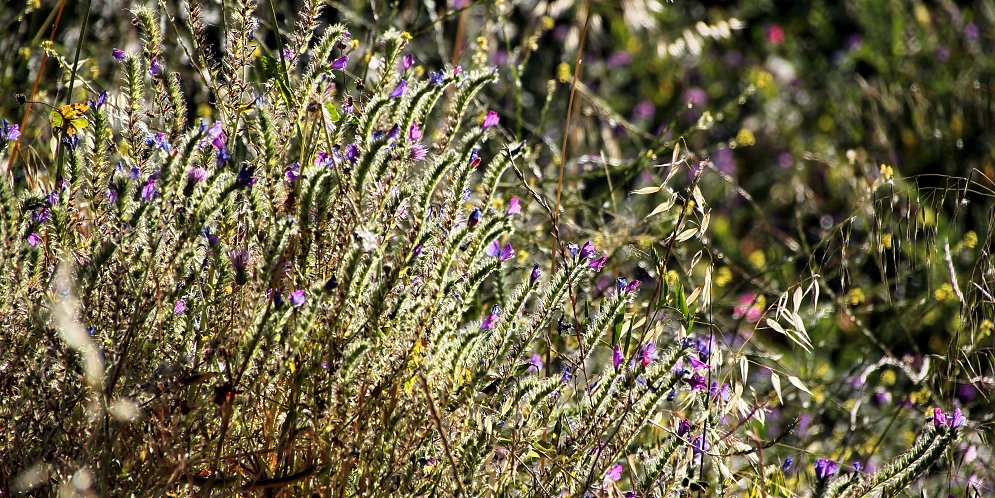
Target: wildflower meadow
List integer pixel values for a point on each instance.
(496, 248)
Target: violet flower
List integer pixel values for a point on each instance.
(99, 102)
(155, 67)
(825, 468)
(148, 189)
(535, 363)
(599, 263)
(339, 64)
(536, 273)
(631, 287)
(587, 250)
(408, 61)
(293, 172)
(34, 239)
(683, 427)
(118, 54)
(297, 297)
(352, 153)
(572, 249)
(436, 78)
(9, 132)
(696, 382)
(159, 140)
(196, 174)
(180, 307)
(474, 218)
(488, 322)
(399, 89)
(617, 356)
(648, 353)
(246, 176)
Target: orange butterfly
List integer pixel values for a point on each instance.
(71, 116)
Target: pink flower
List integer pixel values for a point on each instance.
(599, 263)
(513, 207)
(418, 152)
(491, 119)
(414, 133)
(614, 473)
(180, 307)
(775, 34)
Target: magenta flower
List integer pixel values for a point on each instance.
(408, 61)
(34, 239)
(939, 418)
(617, 356)
(825, 468)
(297, 297)
(683, 427)
(339, 64)
(490, 120)
(180, 307)
(118, 54)
(614, 473)
(599, 263)
(514, 207)
(747, 307)
(489, 321)
(418, 152)
(414, 133)
(536, 273)
(648, 354)
(457, 70)
(631, 287)
(399, 89)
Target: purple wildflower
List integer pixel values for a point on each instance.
(587, 250)
(222, 156)
(631, 287)
(971, 31)
(474, 158)
(212, 239)
(614, 473)
(939, 418)
(514, 207)
(148, 189)
(418, 152)
(720, 392)
(617, 356)
(457, 70)
(246, 176)
(159, 140)
(535, 363)
(393, 132)
(489, 321)
(490, 120)
(34, 239)
(293, 172)
(495, 250)
(787, 463)
(111, 194)
(196, 174)
(352, 153)
(599, 263)
(566, 375)
(620, 284)
(180, 307)
(506, 253)
(648, 353)
(339, 64)
(408, 61)
(323, 159)
(957, 420)
(683, 427)
(99, 102)
(118, 54)
(696, 382)
(474, 218)
(399, 89)
(297, 297)
(825, 468)
(699, 445)
(436, 78)
(536, 273)
(155, 67)
(414, 133)
(572, 249)
(697, 364)
(9, 132)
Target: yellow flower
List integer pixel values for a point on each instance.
(944, 292)
(757, 259)
(563, 72)
(886, 240)
(745, 138)
(889, 378)
(970, 240)
(723, 276)
(887, 172)
(547, 22)
(856, 297)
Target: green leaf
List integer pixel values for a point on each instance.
(333, 113)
